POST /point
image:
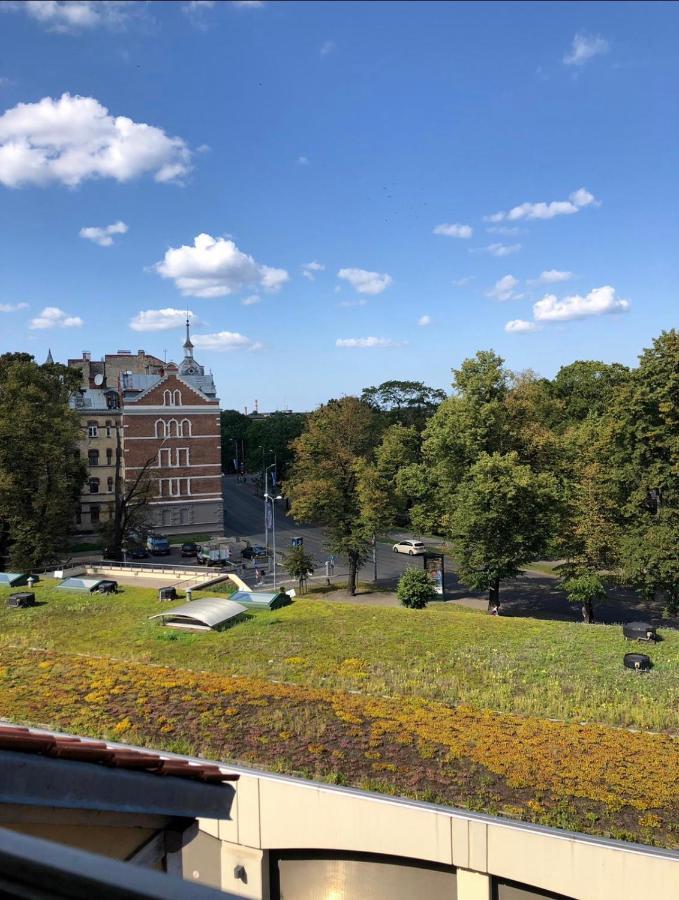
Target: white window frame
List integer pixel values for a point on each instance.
(165, 453)
(93, 431)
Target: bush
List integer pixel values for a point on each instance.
(415, 589)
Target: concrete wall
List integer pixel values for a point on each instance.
(273, 813)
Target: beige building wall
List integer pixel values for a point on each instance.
(97, 448)
(484, 853)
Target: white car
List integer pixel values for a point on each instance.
(412, 548)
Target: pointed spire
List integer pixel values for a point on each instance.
(188, 346)
(50, 360)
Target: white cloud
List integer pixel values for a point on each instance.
(72, 15)
(584, 47)
(53, 317)
(223, 341)
(12, 307)
(506, 230)
(552, 276)
(309, 270)
(576, 201)
(366, 282)
(462, 282)
(351, 303)
(327, 47)
(502, 249)
(424, 320)
(599, 302)
(519, 326)
(457, 231)
(74, 138)
(215, 267)
(248, 4)
(504, 289)
(103, 236)
(161, 319)
(302, 160)
(251, 300)
(197, 5)
(367, 343)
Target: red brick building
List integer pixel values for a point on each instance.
(167, 419)
(171, 425)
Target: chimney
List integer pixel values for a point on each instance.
(256, 405)
(245, 410)
(87, 355)
(140, 353)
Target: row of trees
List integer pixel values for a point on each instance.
(250, 443)
(511, 467)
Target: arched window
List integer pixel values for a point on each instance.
(167, 398)
(161, 429)
(172, 428)
(177, 397)
(185, 428)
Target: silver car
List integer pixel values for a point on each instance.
(412, 548)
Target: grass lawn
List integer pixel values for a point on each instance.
(443, 703)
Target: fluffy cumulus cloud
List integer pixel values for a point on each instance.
(584, 47)
(309, 270)
(12, 307)
(161, 319)
(505, 289)
(552, 276)
(599, 302)
(224, 341)
(252, 300)
(215, 267)
(520, 326)
(577, 200)
(456, 231)
(53, 317)
(424, 321)
(103, 236)
(72, 139)
(366, 282)
(367, 343)
(72, 15)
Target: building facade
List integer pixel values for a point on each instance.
(163, 420)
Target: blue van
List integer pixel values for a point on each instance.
(158, 545)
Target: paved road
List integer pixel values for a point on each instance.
(530, 594)
(244, 517)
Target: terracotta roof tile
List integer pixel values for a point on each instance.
(22, 740)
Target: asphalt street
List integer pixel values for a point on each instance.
(244, 517)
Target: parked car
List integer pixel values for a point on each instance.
(412, 548)
(158, 545)
(256, 552)
(137, 553)
(189, 549)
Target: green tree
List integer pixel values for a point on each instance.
(584, 589)
(415, 589)
(586, 388)
(650, 560)
(404, 402)
(500, 518)
(269, 440)
(298, 563)
(41, 473)
(234, 427)
(325, 478)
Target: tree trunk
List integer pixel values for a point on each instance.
(353, 572)
(588, 612)
(494, 595)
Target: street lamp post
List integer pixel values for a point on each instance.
(273, 530)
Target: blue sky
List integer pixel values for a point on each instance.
(345, 135)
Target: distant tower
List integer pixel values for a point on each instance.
(49, 361)
(188, 346)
